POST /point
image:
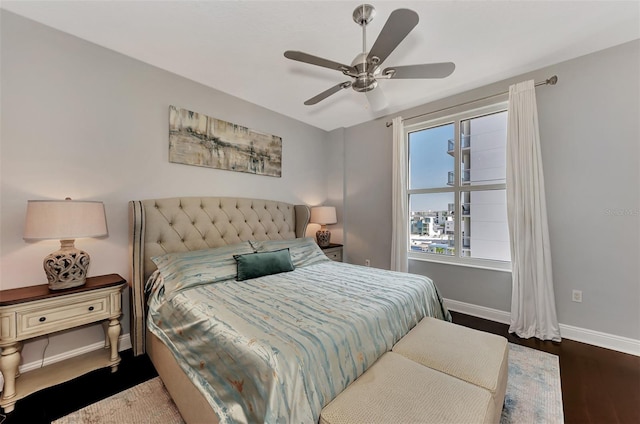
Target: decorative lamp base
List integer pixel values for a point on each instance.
(323, 237)
(67, 267)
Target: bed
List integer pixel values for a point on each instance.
(275, 348)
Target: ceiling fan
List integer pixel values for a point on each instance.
(365, 70)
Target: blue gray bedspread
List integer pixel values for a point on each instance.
(277, 349)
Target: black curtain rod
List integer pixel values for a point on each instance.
(550, 81)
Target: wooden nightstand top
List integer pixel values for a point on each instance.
(31, 293)
(331, 245)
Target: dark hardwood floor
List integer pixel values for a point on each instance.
(56, 402)
(598, 385)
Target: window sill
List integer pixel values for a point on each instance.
(477, 263)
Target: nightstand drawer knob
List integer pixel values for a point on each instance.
(42, 319)
(91, 308)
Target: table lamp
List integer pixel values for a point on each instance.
(323, 215)
(65, 220)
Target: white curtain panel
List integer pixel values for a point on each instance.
(533, 309)
(400, 216)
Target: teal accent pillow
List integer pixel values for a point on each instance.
(254, 265)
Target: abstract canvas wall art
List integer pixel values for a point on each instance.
(200, 140)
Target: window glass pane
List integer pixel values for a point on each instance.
(484, 227)
(483, 144)
(431, 221)
(431, 160)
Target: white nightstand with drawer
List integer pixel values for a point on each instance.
(333, 252)
(34, 311)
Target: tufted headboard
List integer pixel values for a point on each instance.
(181, 224)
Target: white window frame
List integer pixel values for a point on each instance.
(460, 115)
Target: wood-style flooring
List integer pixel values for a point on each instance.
(598, 385)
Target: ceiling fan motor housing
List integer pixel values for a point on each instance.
(364, 78)
(364, 83)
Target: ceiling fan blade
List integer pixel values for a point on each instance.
(327, 93)
(397, 27)
(427, 70)
(318, 61)
(377, 100)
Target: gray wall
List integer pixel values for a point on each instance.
(589, 127)
(335, 182)
(82, 121)
(367, 161)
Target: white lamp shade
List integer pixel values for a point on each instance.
(323, 215)
(64, 219)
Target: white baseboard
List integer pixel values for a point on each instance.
(478, 311)
(583, 335)
(609, 341)
(124, 343)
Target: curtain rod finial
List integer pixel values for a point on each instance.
(553, 80)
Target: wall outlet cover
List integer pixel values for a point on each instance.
(576, 296)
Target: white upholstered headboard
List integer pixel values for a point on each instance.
(180, 224)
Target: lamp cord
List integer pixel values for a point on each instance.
(43, 352)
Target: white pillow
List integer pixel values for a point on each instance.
(304, 251)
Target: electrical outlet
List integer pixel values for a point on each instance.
(577, 296)
(367, 262)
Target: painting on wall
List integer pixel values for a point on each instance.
(200, 140)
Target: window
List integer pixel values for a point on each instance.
(457, 189)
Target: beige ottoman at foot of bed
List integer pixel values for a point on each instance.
(473, 356)
(397, 390)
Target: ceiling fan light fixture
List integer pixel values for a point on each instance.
(376, 100)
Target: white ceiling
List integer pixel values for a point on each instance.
(237, 46)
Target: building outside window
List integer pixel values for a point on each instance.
(457, 188)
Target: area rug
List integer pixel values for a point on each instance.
(148, 402)
(533, 396)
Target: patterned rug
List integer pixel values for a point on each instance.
(533, 387)
(148, 402)
(533, 396)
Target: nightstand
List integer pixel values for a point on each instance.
(333, 252)
(34, 311)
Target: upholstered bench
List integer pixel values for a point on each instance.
(398, 390)
(470, 355)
